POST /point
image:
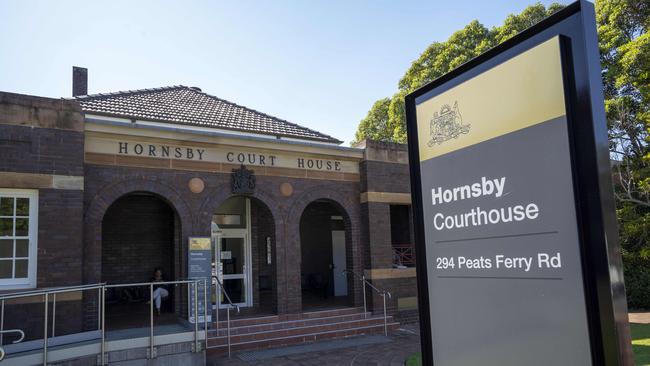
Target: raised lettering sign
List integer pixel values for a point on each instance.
(217, 154)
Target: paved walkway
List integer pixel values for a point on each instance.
(641, 318)
(402, 344)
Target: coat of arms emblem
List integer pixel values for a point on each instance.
(447, 124)
(242, 181)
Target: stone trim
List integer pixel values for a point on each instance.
(386, 197)
(110, 129)
(35, 181)
(40, 112)
(387, 273)
(146, 162)
(384, 151)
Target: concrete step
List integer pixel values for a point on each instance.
(276, 325)
(292, 329)
(240, 322)
(280, 341)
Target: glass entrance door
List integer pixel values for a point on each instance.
(233, 258)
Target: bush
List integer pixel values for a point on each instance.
(637, 281)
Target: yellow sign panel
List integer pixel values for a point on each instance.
(521, 92)
(199, 243)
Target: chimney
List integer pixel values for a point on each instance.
(79, 81)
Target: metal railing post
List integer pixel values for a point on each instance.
(228, 325)
(2, 322)
(217, 296)
(381, 292)
(205, 311)
(102, 316)
(99, 301)
(365, 306)
(196, 315)
(53, 313)
(151, 301)
(385, 317)
(220, 291)
(46, 300)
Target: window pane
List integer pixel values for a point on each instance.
(22, 247)
(21, 268)
(236, 289)
(6, 268)
(6, 206)
(22, 206)
(6, 248)
(6, 227)
(22, 227)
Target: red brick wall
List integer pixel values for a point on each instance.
(105, 184)
(137, 237)
(262, 226)
(40, 137)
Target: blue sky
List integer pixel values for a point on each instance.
(320, 64)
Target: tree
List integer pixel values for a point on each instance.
(440, 58)
(625, 60)
(375, 125)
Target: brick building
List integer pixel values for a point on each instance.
(103, 188)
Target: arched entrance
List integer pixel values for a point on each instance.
(244, 255)
(325, 254)
(140, 232)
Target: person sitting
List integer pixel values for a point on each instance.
(159, 291)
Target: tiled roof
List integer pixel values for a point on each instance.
(190, 106)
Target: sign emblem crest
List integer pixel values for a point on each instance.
(242, 181)
(447, 124)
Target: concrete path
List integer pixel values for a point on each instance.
(641, 318)
(402, 344)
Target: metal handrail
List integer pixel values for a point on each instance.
(226, 293)
(22, 336)
(101, 287)
(46, 300)
(52, 290)
(189, 282)
(150, 283)
(231, 305)
(383, 293)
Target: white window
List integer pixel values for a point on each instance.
(18, 234)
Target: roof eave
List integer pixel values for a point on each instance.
(328, 140)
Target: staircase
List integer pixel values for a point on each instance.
(284, 330)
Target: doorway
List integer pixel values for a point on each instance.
(243, 245)
(325, 254)
(139, 234)
(233, 254)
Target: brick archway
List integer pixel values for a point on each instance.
(210, 205)
(349, 209)
(105, 198)
(218, 195)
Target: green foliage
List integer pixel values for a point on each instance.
(438, 59)
(625, 59)
(414, 360)
(641, 343)
(375, 125)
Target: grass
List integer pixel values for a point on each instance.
(640, 346)
(414, 359)
(641, 343)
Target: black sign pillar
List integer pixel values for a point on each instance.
(518, 254)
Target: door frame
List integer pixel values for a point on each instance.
(245, 234)
(337, 272)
